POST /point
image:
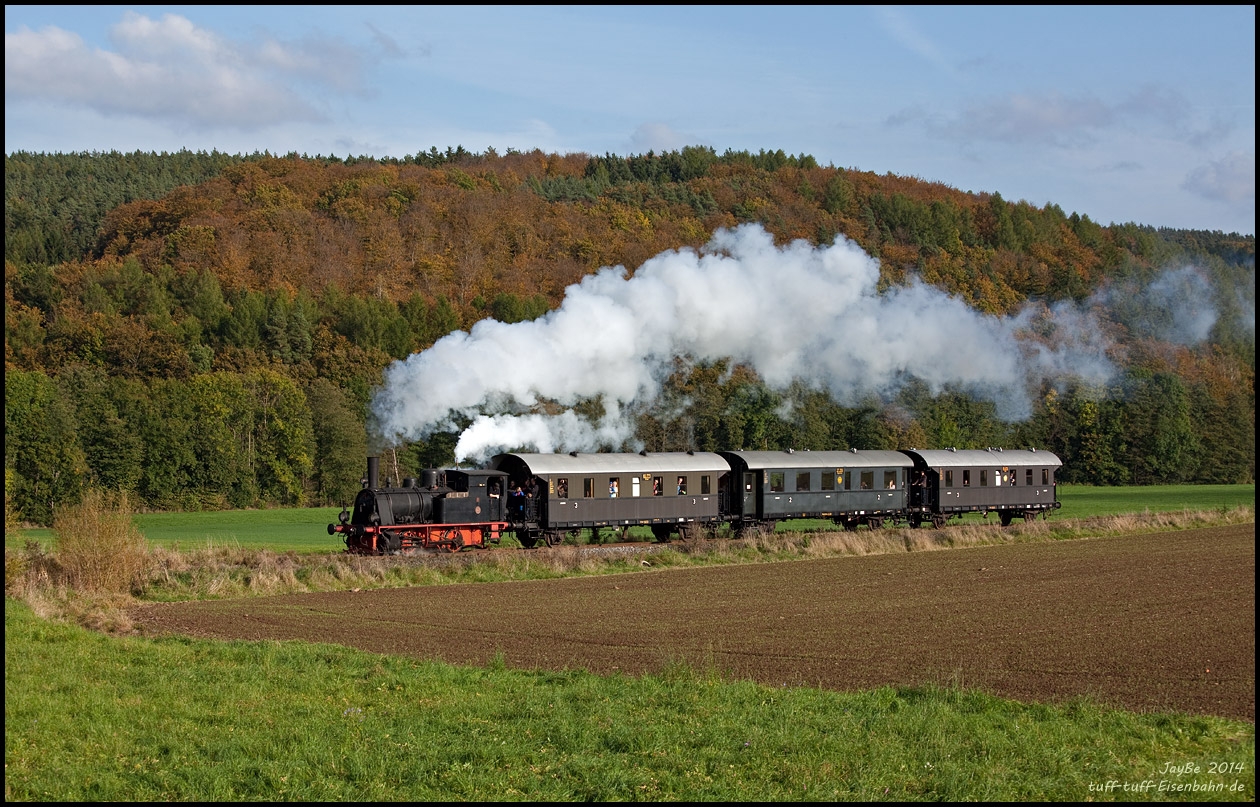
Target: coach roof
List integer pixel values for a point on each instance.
(990, 457)
(762, 460)
(579, 463)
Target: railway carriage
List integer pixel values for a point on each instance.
(850, 487)
(555, 494)
(1011, 483)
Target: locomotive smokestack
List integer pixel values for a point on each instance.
(374, 464)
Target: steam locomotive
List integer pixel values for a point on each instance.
(544, 497)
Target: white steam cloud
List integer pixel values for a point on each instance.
(796, 312)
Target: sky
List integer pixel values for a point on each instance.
(1121, 113)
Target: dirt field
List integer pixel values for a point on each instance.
(1157, 622)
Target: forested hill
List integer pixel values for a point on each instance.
(130, 277)
(465, 225)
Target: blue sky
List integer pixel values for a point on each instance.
(1124, 113)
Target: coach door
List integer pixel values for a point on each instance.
(749, 507)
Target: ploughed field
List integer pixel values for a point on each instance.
(1149, 622)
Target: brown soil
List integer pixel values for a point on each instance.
(1154, 622)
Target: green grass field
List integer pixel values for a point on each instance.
(94, 718)
(306, 529)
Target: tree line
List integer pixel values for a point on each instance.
(137, 286)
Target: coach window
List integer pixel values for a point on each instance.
(802, 480)
(1045, 476)
(614, 486)
(890, 480)
(681, 488)
(847, 479)
(868, 480)
(966, 477)
(1028, 477)
(588, 487)
(562, 488)
(658, 486)
(704, 485)
(634, 486)
(984, 477)
(949, 479)
(776, 481)
(828, 480)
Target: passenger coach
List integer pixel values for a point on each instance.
(553, 494)
(1009, 482)
(850, 487)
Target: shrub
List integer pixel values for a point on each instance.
(98, 547)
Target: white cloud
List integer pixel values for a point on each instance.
(899, 25)
(170, 70)
(1229, 179)
(1025, 118)
(658, 137)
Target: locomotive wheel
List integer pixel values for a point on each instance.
(453, 540)
(527, 540)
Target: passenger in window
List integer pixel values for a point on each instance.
(682, 486)
(656, 486)
(612, 488)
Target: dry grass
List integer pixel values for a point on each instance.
(98, 547)
(100, 563)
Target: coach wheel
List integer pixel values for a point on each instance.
(938, 522)
(851, 524)
(527, 540)
(552, 538)
(1006, 517)
(661, 532)
(875, 523)
(916, 522)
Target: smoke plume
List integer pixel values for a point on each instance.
(791, 313)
